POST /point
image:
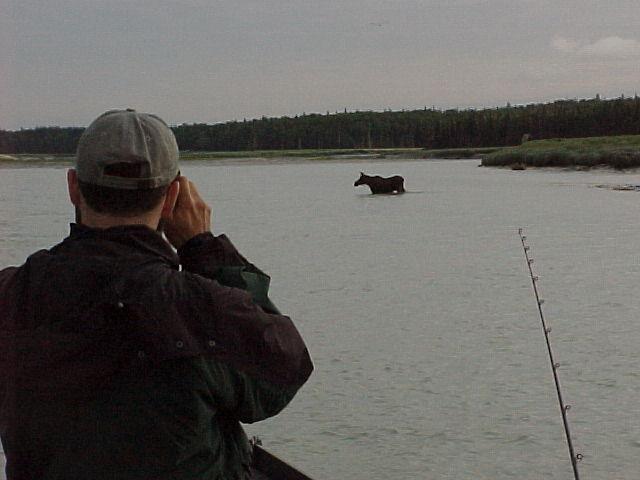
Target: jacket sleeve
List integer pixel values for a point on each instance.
(217, 259)
(242, 396)
(263, 361)
(6, 277)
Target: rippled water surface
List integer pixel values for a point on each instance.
(419, 314)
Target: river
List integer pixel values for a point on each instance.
(419, 313)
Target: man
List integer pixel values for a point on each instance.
(122, 359)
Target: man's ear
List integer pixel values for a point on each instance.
(170, 199)
(74, 188)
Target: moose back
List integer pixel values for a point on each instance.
(379, 184)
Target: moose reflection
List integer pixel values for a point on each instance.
(379, 184)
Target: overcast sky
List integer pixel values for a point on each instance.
(63, 62)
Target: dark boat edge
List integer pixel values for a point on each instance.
(270, 467)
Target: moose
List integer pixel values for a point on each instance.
(379, 184)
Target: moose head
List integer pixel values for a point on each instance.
(361, 180)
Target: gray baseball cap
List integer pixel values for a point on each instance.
(127, 138)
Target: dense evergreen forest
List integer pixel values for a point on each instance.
(427, 128)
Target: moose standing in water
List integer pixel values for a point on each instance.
(379, 184)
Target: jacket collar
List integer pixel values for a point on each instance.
(138, 237)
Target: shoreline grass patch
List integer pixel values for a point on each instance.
(619, 152)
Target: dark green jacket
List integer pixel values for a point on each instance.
(121, 360)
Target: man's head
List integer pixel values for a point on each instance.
(126, 165)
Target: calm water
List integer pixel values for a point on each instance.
(418, 311)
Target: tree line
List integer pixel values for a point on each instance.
(427, 128)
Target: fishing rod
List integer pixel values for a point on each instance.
(564, 408)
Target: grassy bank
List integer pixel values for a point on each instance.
(617, 152)
(460, 153)
(336, 154)
(36, 159)
(311, 154)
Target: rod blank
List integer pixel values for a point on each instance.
(554, 365)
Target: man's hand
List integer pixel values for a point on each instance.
(190, 216)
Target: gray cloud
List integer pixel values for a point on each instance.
(612, 46)
(65, 61)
